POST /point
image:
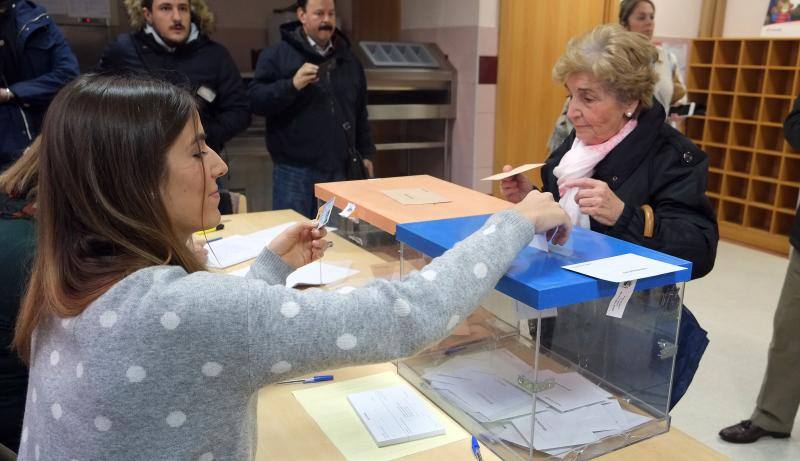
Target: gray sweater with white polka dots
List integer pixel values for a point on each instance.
(167, 365)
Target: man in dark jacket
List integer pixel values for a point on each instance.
(172, 42)
(779, 398)
(35, 62)
(311, 88)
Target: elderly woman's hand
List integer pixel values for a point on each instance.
(515, 188)
(300, 244)
(596, 200)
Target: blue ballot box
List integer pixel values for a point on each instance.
(572, 382)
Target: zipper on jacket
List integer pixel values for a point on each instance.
(25, 26)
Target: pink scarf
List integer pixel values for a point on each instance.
(579, 162)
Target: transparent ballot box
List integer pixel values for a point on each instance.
(572, 382)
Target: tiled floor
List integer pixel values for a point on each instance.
(735, 303)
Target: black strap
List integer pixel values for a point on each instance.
(355, 162)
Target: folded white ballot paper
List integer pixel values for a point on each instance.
(395, 415)
(515, 171)
(623, 268)
(310, 274)
(236, 249)
(319, 273)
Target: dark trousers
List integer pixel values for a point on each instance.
(779, 398)
(293, 187)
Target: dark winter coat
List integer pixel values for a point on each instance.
(44, 63)
(302, 128)
(656, 165)
(791, 129)
(194, 65)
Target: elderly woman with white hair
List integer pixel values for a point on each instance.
(623, 171)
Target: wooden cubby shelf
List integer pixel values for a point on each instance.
(748, 87)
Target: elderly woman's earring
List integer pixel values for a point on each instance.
(629, 114)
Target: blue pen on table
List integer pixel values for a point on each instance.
(315, 379)
(476, 449)
(214, 239)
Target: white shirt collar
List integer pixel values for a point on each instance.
(323, 52)
(194, 32)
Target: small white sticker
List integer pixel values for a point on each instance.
(207, 93)
(348, 210)
(620, 300)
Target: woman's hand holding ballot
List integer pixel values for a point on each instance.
(300, 244)
(515, 188)
(546, 216)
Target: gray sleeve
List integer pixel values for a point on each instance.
(296, 332)
(262, 332)
(270, 268)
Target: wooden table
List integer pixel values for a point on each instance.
(287, 432)
(385, 213)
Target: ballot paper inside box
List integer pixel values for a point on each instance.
(573, 382)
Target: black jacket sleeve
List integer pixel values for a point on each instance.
(231, 112)
(791, 126)
(270, 93)
(685, 224)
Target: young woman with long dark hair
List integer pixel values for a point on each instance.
(135, 350)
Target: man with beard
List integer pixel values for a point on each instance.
(312, 90)
(35, 62)
(172, 43)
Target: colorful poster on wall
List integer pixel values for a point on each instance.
(782, 19)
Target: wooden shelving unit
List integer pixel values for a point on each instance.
(748, 86)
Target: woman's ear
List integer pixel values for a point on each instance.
(630, 109)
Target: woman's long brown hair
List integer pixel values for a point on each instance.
(100, 214)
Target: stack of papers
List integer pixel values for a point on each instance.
(394, 415)
(570, 413)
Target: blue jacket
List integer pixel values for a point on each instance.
(45, 64)
(302, 128)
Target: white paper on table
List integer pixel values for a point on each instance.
(312, 274)
(394, 415)
(329, 408)
(231, 250)
(264, 237)
(240, 272)
(236, 249)
(623, 268)
(620, 300)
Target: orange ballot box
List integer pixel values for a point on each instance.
(387, 202)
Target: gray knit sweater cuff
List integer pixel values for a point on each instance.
(270, 268)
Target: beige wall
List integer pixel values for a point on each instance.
(681, 18)
(744, 18)
(677, 18)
